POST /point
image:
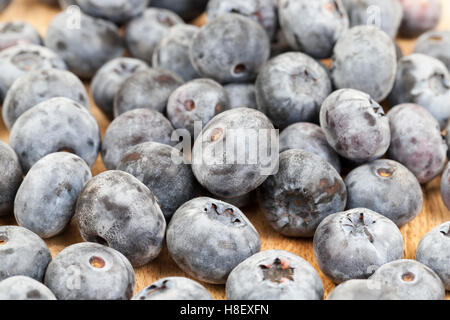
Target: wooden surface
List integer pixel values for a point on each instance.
(433, 213)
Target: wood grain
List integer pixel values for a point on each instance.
(433, 213)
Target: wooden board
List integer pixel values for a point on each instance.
(433, 213)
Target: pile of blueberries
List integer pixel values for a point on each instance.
(257, 65)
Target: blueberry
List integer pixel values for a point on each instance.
(240, 201)
(230, 48)
(411, 280)
(322, 23)
(132, 128)
(445, 186)
(305, 190)
(274, 275)
(58, 124)
(291, 87)
(241, 95)
(118, 11)
(365, 59)
(161, 168)
(198, 100)
(425, 81)
(240, 131)
(10, 178)
(208, 238)
(435, 44)
(386, 187)
(353, 244)
(45, 201)
(4, 4)
(172, 51)
(37, 86)
(109, 78)
(309, 137)
(19, 59)
(261, 11)
(355, 125)
(24, 288)
(18, 32)
(416, 141)
(89, 271)
(144, 33)
(188, 9)
(386, 14)
(117, 210)
(22, 253)
(174, 288)
(434, 252)
(66, 36)
(148, 89)
(362, 289)
(64, 4)
(419, 16)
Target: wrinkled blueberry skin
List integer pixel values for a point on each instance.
(445, 186)
(188, 9)
(45, 201)
(355, 125)
(55, 125)
(241, 95)
(434, 252)
(274, 275)
(105, 42)
(291, 87)
(172, 51)
(208, 238)
(261, 11)
(425, 81)
(73, 274)
(22, 253)
(416, 141)
(352, 244)
(24, 288)
(10, 178)
(198, 100)
(117, 210)
(388, 13)
(144, 33)
(148, 89)
(19, 59)
(419, 16)
(113, 10)
(365, 59)
(109, 78)
(305, 190)
(174, 288)
(322, 23)
(161, 168)
(435, 44)
(386, 187)
(130, 129)
(4, 4)
(18, 32)
(362, 289)
(215, 56)
(309, 137)
(211, 167)
(411, 280)
(37, 86)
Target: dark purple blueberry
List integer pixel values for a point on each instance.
(291, 87)
(58, 124)
(305, 190)
(230, 48)
(89, 271)
(10, 178)
(445, 186)
(419, 16)
(117, 210)
(118, 11)
(416, 141)
(435, 44)
(353, 244)
(309, 137)
(274, 275)
(147, 89)
(130, 129)
(208, 238)
(362, 289)
(241, 95)
(174, 288)
(355, 125)
(188, 9)
(24, 288)
(18, 32)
